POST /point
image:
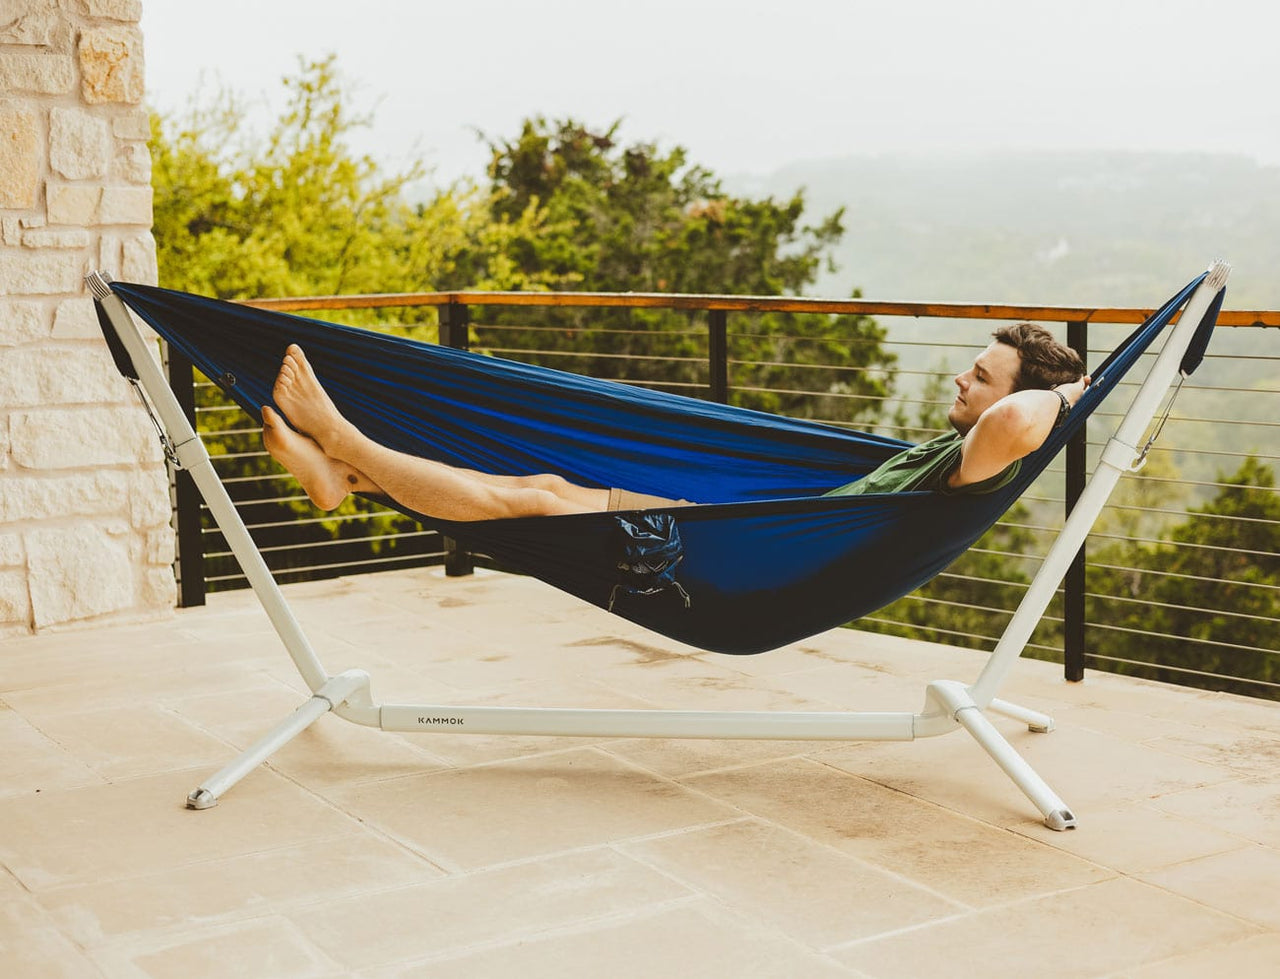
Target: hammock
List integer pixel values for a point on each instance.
(766, 558)
(763, 548)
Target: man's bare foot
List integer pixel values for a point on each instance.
(327, 481)
(304, 401)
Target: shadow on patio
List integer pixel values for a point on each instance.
(358, 852)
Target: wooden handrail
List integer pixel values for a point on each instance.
(750, 304)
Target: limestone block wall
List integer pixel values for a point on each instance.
(84, 495)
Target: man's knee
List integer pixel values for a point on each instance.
(529, 501)
(548, 483)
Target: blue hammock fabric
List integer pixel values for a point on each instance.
(763, 559)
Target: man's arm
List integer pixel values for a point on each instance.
(1013, 427)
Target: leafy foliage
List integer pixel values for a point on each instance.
(635, 218)
(1207, 599)
(298, 213)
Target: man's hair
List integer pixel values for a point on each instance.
(1044, 362)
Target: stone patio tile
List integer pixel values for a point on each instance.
(137, 827)
(797, 658)
(31, 763)
(965, 860)
(692, 683)
(245, 886)
(1248, 808)
(1241, 751)
(954, 771)
(131, 655)
(266, 947)
(1131, 725)
(854, 688)
(681, 758)
(239, 716)
(904, 657)
(715, 857)
(1118, 924)
(809, 891)
(1243, 882)
(127, 688)
(1134, 839)
(31, 945)
(129, 742)
(460, 662)
(332, 751)
(1111, 691)
(508, 904)
(399, 677)
(492, 814)
(689, 940)
(1251, 714)
(1248, 958)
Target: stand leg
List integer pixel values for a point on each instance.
(1056, 814)
(206, 795)
(339, 688)
(957, 701)
(1035, 721)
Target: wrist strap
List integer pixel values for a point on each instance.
(1063, 409)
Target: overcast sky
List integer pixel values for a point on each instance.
(750, 86)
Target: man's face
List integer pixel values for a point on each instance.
(990, 378)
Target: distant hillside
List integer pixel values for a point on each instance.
(1086, 228)
(1123, 229)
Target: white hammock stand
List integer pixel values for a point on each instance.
(948, 704)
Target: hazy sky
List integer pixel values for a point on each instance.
(750, 86)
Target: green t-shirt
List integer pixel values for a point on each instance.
(926, 466)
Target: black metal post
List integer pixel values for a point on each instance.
(718, 354)
(1073, 615)
(188, 563)
(455, 331)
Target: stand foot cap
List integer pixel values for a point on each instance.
(1060, 819)
(201, 799)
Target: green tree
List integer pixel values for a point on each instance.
(635, 218)
(1205, 600)
(297, 212)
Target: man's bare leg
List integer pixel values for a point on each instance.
(326, 480)
(421, 484)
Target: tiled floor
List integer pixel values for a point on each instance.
(363, 853)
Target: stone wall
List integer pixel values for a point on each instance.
(84, 498)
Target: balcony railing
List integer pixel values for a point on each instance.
(1180, 581)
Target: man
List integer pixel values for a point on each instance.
(1018, 390)
(1015, 393)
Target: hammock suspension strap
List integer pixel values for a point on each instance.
(166, 443)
